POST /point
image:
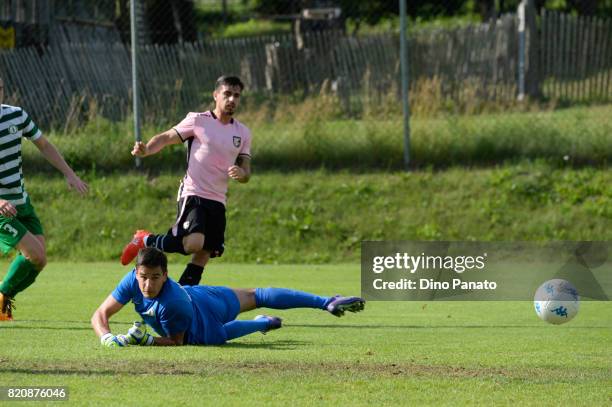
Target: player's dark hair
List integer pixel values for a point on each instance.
(229, 81)
(151, 257)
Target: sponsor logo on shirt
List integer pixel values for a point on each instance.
(186, 224)
(237, 141)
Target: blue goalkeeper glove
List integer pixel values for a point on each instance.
(111, 341)
(137, 335)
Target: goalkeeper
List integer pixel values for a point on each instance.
(197, 315)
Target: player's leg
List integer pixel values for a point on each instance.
(194, 270)
(11, 233)
(246, 300)
(171, 241)
(193, 242)
(190, 243)
(209, 219)
(23, 232)
(187, 234)
(168, 243)
(261, 323)
(38, 258)
(22, 271)
(284, 298)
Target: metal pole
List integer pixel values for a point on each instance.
(404, 73)
(521, 50)
(135, 89)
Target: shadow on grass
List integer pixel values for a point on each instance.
(287, 344)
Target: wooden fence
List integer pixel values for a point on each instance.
(575, 57)
(66, 84)
(480, 58)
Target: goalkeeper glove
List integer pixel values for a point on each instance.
(111, 341)
(137, 335)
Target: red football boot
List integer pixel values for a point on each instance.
(130, 251)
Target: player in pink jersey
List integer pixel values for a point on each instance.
(218, 148)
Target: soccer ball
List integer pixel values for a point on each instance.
(556, 301)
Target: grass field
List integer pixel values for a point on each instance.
(322, 216)
(394, 353)
(304, 137)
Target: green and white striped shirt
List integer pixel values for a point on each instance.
(14, 124)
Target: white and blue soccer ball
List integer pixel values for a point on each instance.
(556, 301)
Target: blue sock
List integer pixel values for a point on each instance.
(236, 329)
(283, 298)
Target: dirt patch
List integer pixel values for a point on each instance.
(213, 368)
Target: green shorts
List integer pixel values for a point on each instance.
(13, 229)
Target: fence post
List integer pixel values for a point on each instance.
(528, 69)
(404, 73)
(135, 89)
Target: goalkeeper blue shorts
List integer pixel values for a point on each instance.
(215, 307)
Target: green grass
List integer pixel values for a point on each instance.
(393, 353)
(576, 136)
(321, 217)
(391, 24)
(254, 27)
(306, 138)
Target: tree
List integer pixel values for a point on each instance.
(584, 7)
(372, 11)
(171, 21)
(486, 9)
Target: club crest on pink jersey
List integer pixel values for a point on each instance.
(237, 140)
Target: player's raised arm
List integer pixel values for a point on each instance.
(156, 144)
(51, 154)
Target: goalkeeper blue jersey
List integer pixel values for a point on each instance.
(199, 311)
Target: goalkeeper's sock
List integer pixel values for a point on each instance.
(19, 272)
(284, 298)
(192, 275)
(166, 243)
(236, 329)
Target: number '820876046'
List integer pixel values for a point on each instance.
(33, 393)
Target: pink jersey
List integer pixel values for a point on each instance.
(212, 148)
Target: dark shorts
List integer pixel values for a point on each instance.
(199, 215)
